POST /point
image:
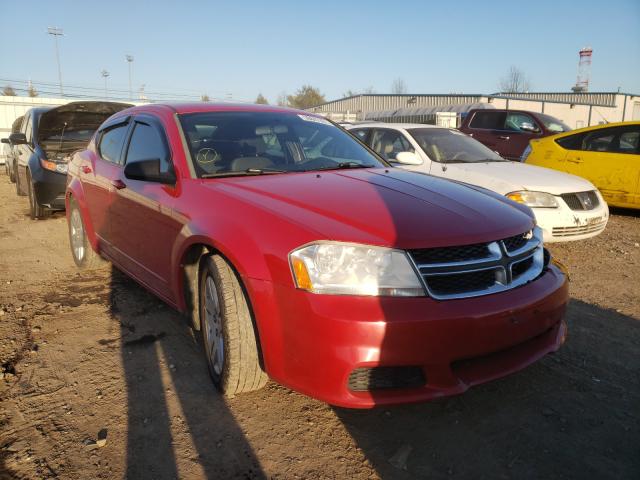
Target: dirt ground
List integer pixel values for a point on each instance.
(102, 380)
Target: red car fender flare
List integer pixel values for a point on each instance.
(252, 264)
(75, 190)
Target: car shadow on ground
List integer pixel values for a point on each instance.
(170, 396)
(572, 415)
(625, 212)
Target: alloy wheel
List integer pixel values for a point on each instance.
(77, 234)
(214, 339)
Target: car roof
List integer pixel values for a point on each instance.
(593, 128)
(405, 126)
(199, 107)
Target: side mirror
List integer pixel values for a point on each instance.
(408, 158)
(149, 171)
(18, 138)
(529, 127)
(5, 140)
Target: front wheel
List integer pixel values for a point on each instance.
(227, 332)
(83, 254)
(36, 210)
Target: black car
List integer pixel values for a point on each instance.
(44, 144)
(10, 162)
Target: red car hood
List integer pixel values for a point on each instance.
(381, 207)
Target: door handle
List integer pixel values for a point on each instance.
(574, 160)
(119, 184)
(85, 169)
(503, 137)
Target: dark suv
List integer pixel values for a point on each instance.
(508, 131)
(47, 138)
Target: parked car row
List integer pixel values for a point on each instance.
(566, 207)
(301, 254)
(41, 146)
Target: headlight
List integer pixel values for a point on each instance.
(54, 166)
(348, 269)
(534, 199)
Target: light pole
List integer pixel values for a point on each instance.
(105, 74)
(130, 61)
(57, 32)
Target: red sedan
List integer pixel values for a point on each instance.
(301, 255)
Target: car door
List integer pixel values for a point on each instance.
(487, 127)
(99, 173)
(519, 129)
(609, 158)
(143, 227)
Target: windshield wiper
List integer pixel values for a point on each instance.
(342, 165)
(248, 171)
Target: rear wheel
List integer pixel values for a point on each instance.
(36, 210)
(226, 327)
(81, 249)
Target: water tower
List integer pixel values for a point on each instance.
(584, 70)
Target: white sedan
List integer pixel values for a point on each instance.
(567, 207)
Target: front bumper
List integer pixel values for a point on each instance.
(49, 188)
(563, 224)
(312, 343)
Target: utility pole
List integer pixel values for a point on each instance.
(130, 61)
(105, 75)
(57, 32)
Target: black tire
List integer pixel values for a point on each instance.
(85, 258)
(18, 189)
(36, 210)
(240, 369)
(12, 173)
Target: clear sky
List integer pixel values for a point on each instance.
(241, 48)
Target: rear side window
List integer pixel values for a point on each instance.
(488, 120)
(111, 142)
(148, 144)
(572, 142)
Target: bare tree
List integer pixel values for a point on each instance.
(8, 91)
(32, 92)
(205, 98)
(399, 86)
(516, 81)
(262, 100)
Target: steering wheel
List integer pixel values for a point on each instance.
(459, 155)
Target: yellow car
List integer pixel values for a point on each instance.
(607, 155)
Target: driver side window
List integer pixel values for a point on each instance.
(147, 143)
(516, 121)
(389, 143)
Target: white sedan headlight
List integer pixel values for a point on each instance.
(534, 199)
(347, 269)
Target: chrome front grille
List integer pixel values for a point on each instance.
(581, 200)
(480, 269)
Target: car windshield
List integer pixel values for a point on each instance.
(553, 124)
(251, 143)
(451, 146)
